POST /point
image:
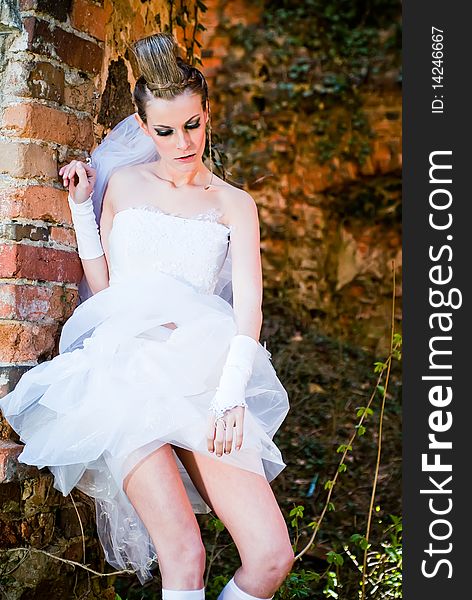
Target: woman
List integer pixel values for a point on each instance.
(162, 403)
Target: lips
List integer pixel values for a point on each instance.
(186, 156)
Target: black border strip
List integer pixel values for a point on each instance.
(437, 268)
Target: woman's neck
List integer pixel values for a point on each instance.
(199, 176)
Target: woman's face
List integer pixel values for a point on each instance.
(177, 128)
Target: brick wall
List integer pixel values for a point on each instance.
(56, 60)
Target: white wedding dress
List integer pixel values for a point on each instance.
(124, 384)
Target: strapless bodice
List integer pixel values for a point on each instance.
(144, 239)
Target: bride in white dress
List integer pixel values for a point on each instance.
(162, 403)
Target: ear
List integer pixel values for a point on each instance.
(142, 124)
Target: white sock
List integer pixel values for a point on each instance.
(183, 594)
(232, 592)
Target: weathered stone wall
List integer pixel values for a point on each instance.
(329, 228)
(325, 172)
(36, 520)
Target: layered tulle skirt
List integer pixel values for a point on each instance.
(123, 385)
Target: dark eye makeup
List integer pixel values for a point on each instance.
(164, 132)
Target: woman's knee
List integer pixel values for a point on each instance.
(276, 561)
(184, 556)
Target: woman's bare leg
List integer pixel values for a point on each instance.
(156, 491)
(245, 503)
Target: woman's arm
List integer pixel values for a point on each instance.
(246, 263)
(96, 269)
(229, 399)
(88, 241)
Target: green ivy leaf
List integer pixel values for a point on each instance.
(334, 557)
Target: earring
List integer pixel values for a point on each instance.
(209, 144)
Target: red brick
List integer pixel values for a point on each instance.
(58, 10)
(63, 236)
(138, 26)
(211, 18)
(10, 375)
(242, 11)
(80, 95)
(46, 82)
(211, 66)
(37, 262)
(219, 45)
(381, 157)
(46, 38)
(10, 468)
(35, 202)
(27, 78)
(87, 16)
(44, 123)
(26, 342)
(25, 302)
(27, 160)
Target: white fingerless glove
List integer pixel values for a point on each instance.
(236, 373)
(86, 228)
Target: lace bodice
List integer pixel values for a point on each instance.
(144, 239)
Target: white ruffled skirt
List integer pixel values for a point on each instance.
(123, 385)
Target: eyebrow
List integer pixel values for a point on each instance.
(167, 126)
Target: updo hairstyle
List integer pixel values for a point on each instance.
(163, 73)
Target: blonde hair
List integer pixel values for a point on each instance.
(163, 73)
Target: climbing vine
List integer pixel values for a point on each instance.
(185, 16)
(305, 65)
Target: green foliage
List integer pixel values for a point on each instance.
(216, 525)
(334, 557)
(296, 513)
(215, 585)
(332, 584)
(312, 58)
(363, 411)
(384, 560)
(297, 585)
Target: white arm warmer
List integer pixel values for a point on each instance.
(86, 228)
(236, 373)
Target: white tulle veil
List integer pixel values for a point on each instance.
(127, 144)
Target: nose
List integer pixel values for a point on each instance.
(183, 140)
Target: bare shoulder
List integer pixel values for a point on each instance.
(238, 204)
(124, 175)
(120, 183)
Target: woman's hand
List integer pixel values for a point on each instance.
(219, 438)
(79, 190)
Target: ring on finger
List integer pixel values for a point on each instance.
(222, 421)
